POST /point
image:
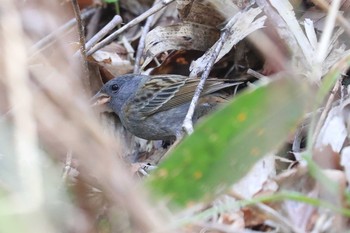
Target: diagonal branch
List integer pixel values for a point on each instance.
(50, 38)
(86, 79)
(187, 124)
(141, 46)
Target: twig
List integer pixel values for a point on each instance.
(141, 46)
(68, 165)
(86, 80)
(187, 124)
(104, 31)
(296, 147)
(129, 49)
(91, 28)
(340, 18)
(323, 45)
(266, 46)
(256, 74)
(326, 110)
(49, 39)
(291, 31)
(80, 27)
(132, 23)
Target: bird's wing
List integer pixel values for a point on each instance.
(168, 91)
(156, 92)
(186, 92)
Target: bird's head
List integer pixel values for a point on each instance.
(116, 92)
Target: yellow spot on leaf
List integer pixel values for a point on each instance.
(163, 172)
(197, 175)
(242, 117)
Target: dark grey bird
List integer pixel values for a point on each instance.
(154, 107)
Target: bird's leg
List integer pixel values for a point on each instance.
(179, 135)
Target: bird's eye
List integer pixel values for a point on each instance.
(115, 87)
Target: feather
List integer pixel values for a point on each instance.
(169, 91)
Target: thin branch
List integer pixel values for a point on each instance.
(86, 80)
(296, 146)
(187, 124)
(104, 31)
(80, 27)
(323, 45)
(129, 49)
(68, 166)
(141, 46)
(256, 74)
(340, 18)
(326, 109)
(290, 30)
(51, 38)
(132, 23)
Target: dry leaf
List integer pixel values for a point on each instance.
(187, 36)
(200, 12)
(345, 161)
(110, 60)
(244, 25)
(285, 10)
(254, 182)
(333, 132)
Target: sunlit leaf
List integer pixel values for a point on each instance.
(225, 146)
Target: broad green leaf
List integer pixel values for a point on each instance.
(224, 147)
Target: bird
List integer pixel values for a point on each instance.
(154, 107)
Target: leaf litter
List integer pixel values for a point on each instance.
(296, 42)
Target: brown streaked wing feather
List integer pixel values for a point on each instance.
(186, 92)
(161, 89)
(163, 92)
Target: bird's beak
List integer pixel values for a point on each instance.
(100, 99)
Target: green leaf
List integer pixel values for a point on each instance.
(110, 1)
(225, 146)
